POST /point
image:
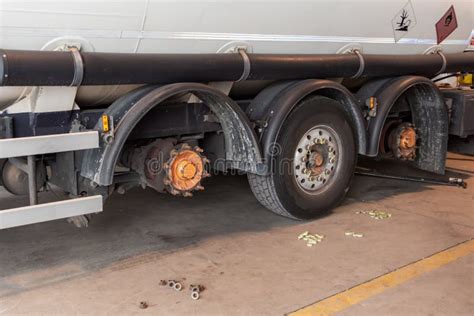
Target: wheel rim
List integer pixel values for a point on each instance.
(316, 158)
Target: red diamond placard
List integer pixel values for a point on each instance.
(446, 25)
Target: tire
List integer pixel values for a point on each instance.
(291, 189)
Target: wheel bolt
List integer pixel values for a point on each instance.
(327, 172)
(320, 179)
(332, 160)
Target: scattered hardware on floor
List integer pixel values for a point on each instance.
(311, 239)
(143, 305)
(354, 234)
(376, 214)
(172, 284)
(195, 289)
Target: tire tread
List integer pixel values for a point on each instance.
(264, 190)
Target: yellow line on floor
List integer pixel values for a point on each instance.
(352, 296)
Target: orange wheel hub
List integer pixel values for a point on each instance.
(186, 170)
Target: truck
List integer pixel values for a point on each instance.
(100, 97)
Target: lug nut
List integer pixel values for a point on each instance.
(178, 287)
(195, 295)
(327, 172)
(332, 160)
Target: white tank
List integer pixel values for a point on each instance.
(211, 26)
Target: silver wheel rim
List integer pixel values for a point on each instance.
(316, 158)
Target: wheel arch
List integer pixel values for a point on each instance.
(428, 111)
(242, 148)
(280, 99)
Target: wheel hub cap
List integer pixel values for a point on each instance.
(316, 157)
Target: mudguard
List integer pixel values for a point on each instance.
(429, 112)
(242, 148)
(274, 104)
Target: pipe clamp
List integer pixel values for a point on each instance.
(247, 65)
(78, 68)
(445, 62)
(361, 64)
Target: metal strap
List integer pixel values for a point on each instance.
(361, 64)
(51, 211)
(246, 59)
(78, 68)
(445, 62)
(48, 144)
(3, 69)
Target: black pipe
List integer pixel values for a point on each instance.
(40, 68)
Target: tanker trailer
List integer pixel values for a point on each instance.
(101, 97)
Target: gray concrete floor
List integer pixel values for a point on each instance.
(249, 259)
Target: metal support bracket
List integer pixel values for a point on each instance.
(39, 145)
(50, 211)
(33, 193)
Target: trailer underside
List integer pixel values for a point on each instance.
(296, 138)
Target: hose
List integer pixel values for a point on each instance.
(49, 68)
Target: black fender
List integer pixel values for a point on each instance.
(280, 99)
(429, 113)
(242, 148)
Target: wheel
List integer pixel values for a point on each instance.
(316, 161)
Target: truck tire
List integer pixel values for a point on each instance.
(314, 161)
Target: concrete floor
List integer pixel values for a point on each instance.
(249, 260)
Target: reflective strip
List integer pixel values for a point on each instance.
(50, 211)
(282, 38)
(15, 31)
(38, 145)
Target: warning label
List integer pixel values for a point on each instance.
(446, 25)
(403, 21)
